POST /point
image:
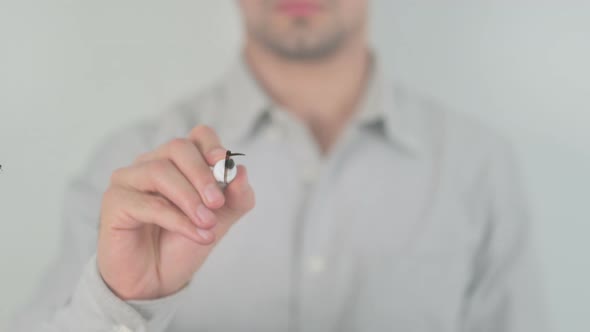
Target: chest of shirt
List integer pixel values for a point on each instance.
(367, 237)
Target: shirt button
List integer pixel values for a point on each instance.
(121, 328)
(316, 264)
(310, 173)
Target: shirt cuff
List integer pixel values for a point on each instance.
(144, 315)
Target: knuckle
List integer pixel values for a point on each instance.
(159, 167)
(141, 158)
(122, 214)
(190, 198)
(204, 178)
(177, 145)
(107, 196)
(184, 200)
(172, 217)
(112, 206)
(157, 203)
(117, 176)
(180, 221)
(202, 131)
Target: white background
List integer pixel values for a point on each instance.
(71, 71)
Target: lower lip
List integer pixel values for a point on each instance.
(298, 8)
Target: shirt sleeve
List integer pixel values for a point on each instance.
(94, 307)
(505, 294)
(72, 295)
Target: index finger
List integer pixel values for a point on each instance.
(208, 143)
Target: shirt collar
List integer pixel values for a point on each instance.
(248, 104)
(382, 105)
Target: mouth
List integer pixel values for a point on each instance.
(298, 8)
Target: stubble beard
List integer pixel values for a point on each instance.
(303, 47)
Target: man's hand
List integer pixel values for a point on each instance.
(162, 215)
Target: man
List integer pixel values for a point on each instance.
(364, 208)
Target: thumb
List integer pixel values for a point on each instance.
(239, 198)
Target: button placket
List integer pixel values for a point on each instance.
(326, 276)
(305, 155)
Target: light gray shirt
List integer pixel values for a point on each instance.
(415, 221)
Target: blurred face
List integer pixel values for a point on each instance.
(304, 29)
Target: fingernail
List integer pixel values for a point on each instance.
(217, 154)
(204, 234)
(206, 215)
(213, 194)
